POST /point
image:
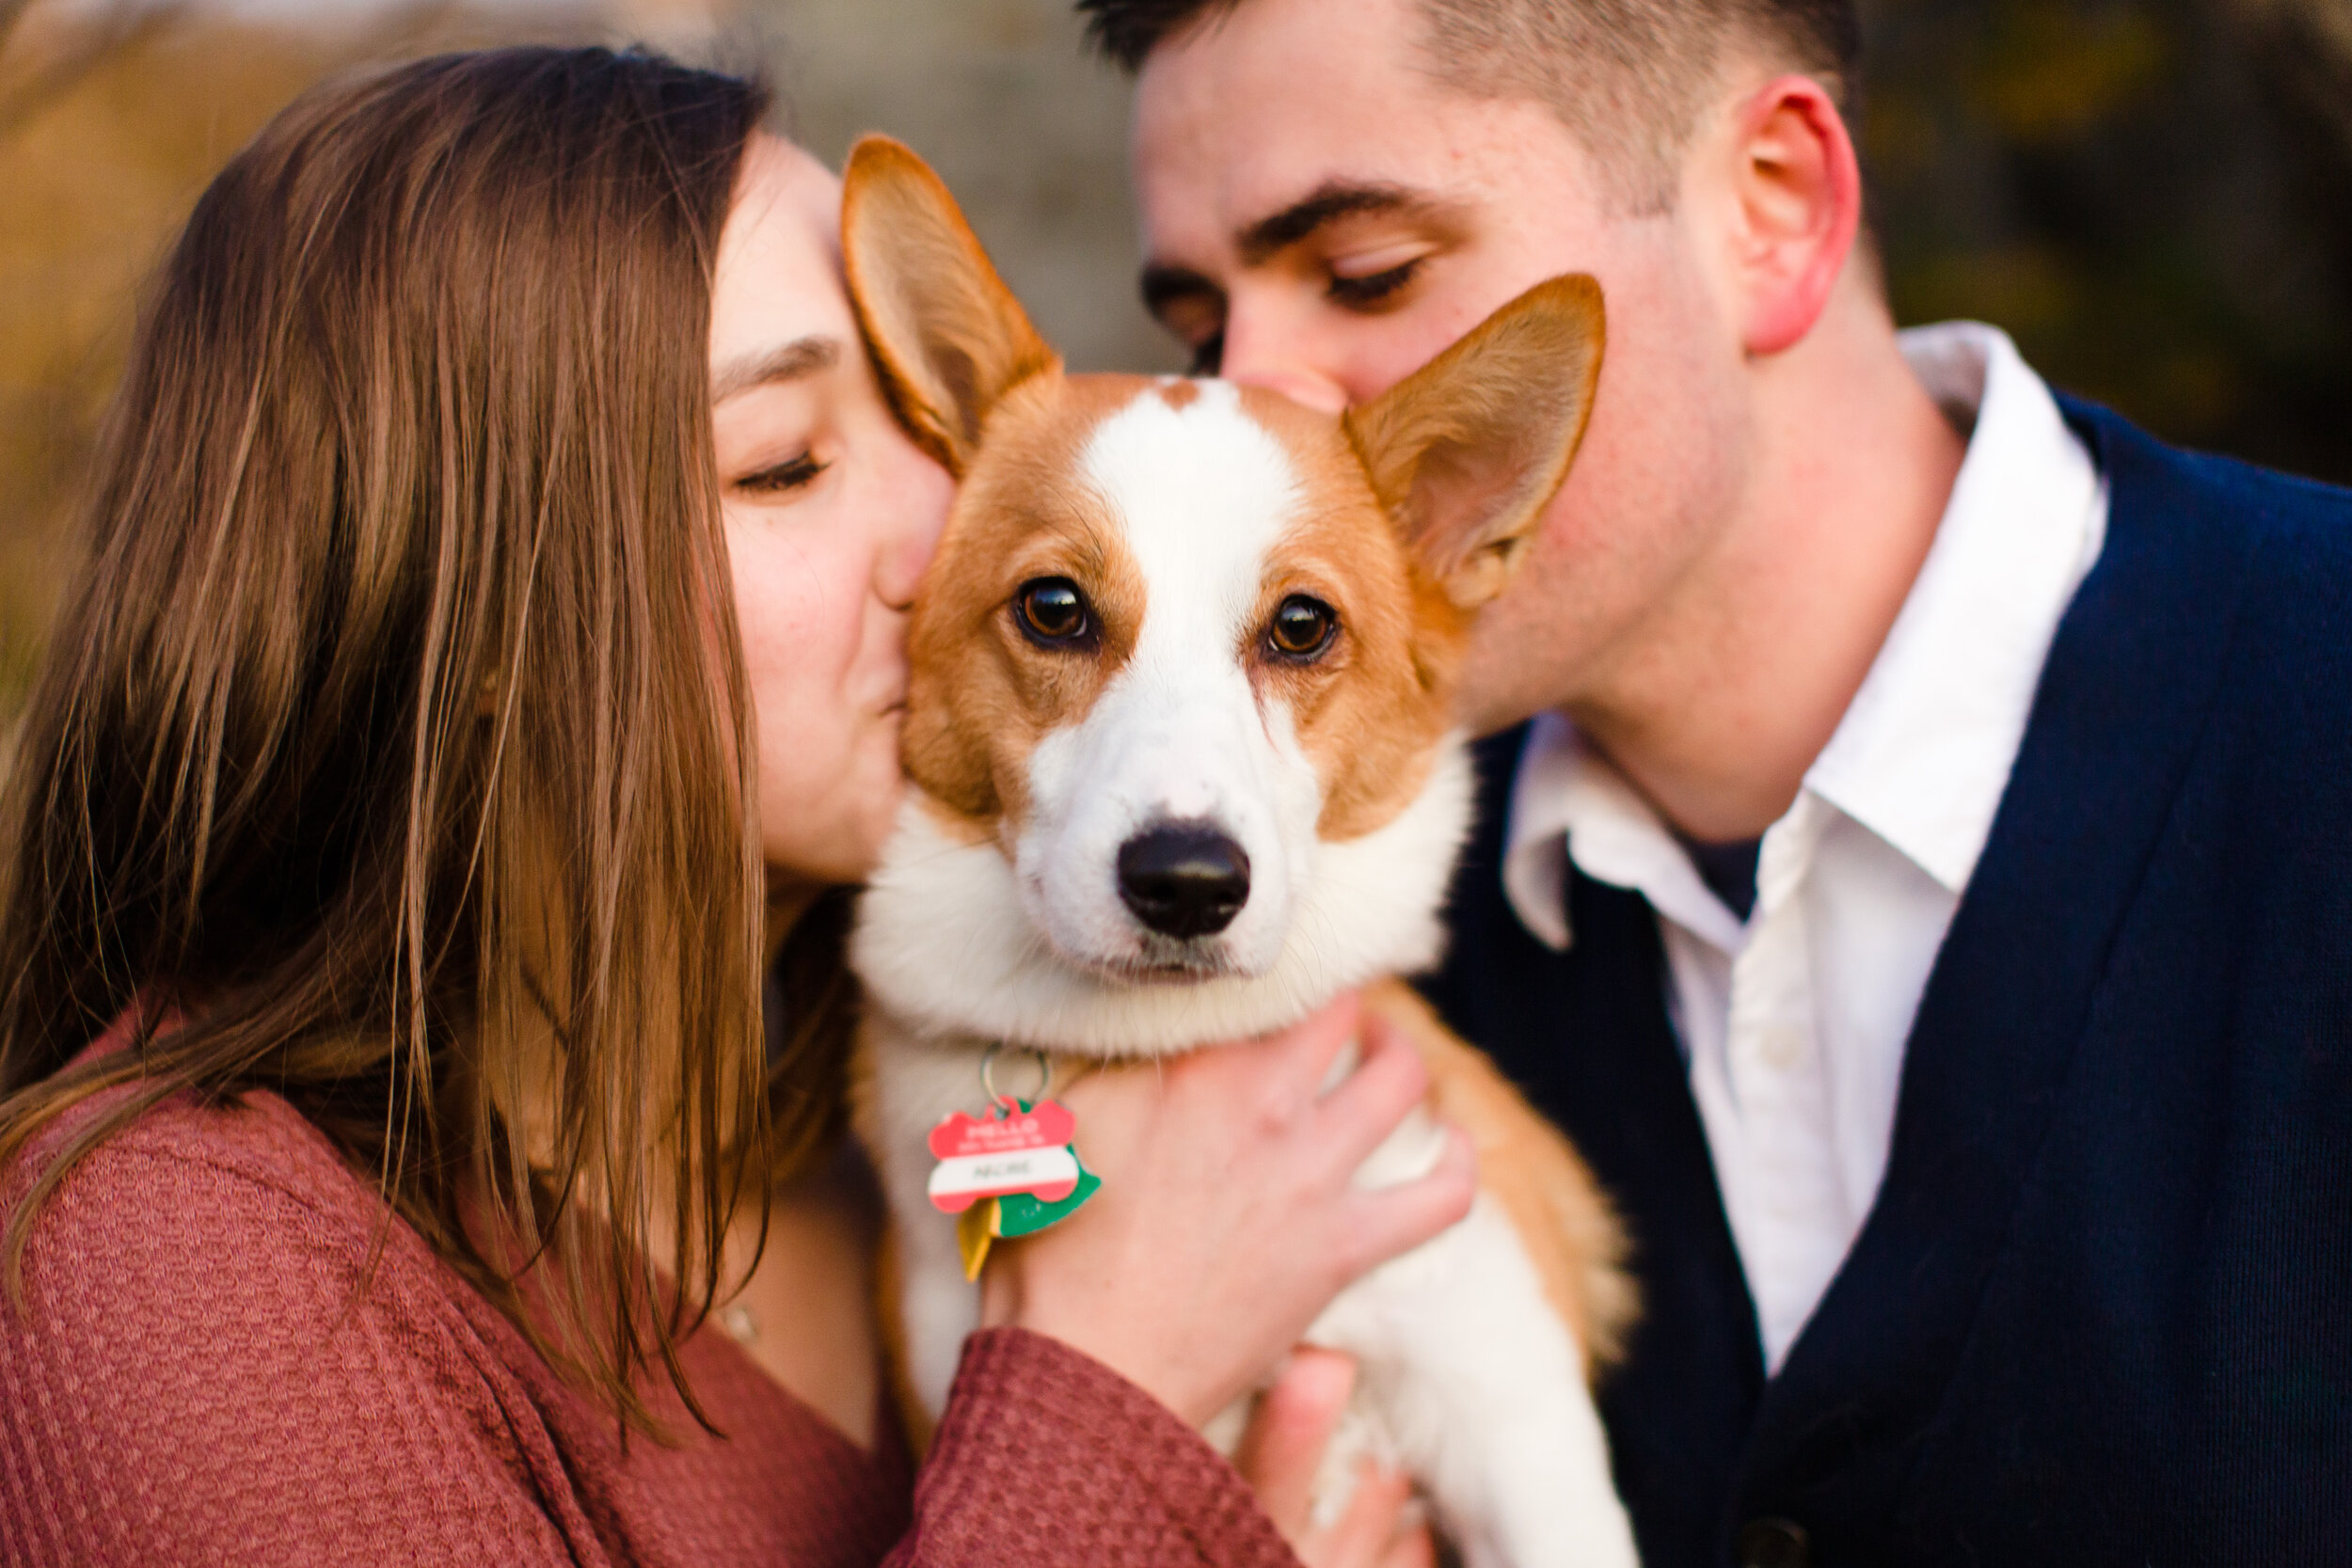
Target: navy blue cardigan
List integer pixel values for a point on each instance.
(2102, 1312)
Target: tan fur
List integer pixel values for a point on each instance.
(890, 1323)
(979, 693)
(948, 339)
(1466, 500)
(958, 825)
(1423, 499)
(1570, 1232)
(1372, 712)
(1421, 504)
(891, 1327)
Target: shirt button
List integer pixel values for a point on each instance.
(1774, 1544)
(1780, 1047)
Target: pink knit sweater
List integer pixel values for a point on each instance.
(197, 1378)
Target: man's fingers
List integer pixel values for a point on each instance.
(1416, 1548)
(1394, 1220)
(1363, 1535)
(1289, 1431)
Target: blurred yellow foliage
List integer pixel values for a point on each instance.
(96, 176)
(2150, 193)
(93, 184)
(2050, 71)
(2022, 286)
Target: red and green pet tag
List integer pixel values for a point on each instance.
(1011, 1170)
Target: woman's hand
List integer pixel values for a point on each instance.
(1228, 1218)
(1282, 1451)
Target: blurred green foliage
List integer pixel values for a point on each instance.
(2153, 197)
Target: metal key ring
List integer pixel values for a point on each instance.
(988, 1074)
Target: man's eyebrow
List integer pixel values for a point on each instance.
(802, 356)
(1327, 203)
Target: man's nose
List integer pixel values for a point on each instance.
(1265, 347)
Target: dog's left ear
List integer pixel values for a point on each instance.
(1468, 450)
(948, 335)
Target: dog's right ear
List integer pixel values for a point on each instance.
(946, 335)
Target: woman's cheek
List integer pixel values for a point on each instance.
(828, 810)
(884, 785)
(829, 777)
(798, 610)
(778, 623)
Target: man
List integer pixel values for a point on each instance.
(1924, 890)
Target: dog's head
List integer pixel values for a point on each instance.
(1179, 717)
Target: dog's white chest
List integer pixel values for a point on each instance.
(1467, 1378)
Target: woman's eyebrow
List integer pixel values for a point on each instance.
(802, 356)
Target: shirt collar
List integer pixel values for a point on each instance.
(1566, 792)
(1924, 752)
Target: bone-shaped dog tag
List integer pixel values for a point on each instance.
(1011, 1172)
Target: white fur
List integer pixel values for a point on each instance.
(912, 1085)
(1203, 496)
(943, 941)
(1469, 1381)
(1469, 1378)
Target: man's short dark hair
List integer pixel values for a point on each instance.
(1628, 77)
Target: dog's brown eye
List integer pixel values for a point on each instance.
(1052, 613)
(1303, 627)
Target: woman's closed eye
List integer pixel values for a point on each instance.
(793, 473)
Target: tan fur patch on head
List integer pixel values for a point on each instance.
(1370, 712)
(981, 695)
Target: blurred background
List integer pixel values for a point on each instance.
(2153, 195)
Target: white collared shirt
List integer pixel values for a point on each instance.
(1794, 1022)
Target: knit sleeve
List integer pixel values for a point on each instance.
(1046, 1457)
(151, 1415)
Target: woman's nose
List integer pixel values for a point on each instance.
(914, 495)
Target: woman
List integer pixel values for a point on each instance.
(487, 657)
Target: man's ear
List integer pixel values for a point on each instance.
(1468, 450)
(1797, 208)
(946, 335)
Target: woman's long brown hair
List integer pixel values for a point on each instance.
(394, 753)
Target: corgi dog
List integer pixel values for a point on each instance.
(1181, 769)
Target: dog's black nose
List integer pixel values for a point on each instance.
(1185, 879)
